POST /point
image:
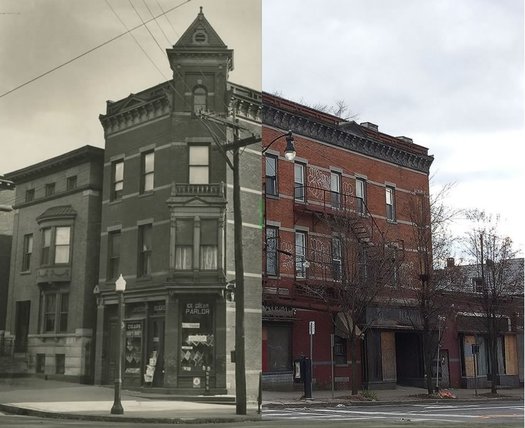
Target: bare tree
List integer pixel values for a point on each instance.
(501, 278)
(430, 218)
(354, 266)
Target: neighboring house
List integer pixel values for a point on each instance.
(468, 327)
(51, 307)
(167, 225)
(7, 199)
(350, 173)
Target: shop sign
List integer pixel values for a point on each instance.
(133, 348)
(278, 312)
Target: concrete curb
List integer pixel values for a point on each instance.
(348, 403)
(134, 419)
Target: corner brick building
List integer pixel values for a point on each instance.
(167, 225)
(340, 167)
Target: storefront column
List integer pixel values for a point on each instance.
(171, 342)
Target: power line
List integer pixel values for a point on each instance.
(91, 50)
(157, 22)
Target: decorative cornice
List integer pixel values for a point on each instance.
(331, 134)
(246, 102)
(136, 115)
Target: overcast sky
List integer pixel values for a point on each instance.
(59, 112)
(447, 73)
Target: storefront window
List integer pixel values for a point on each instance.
(197, 347)
(279, 348)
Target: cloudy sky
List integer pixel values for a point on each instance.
(59, 112)
(447, 73)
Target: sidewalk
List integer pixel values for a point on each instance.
(401, 394)
(39, 397)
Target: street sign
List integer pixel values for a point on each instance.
(311, 328)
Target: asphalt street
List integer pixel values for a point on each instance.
(496, 414)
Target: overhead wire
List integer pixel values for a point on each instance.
(89, 51)
(157, 22)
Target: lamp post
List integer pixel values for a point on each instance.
(120, 286)
(289, 151)
(440, 320)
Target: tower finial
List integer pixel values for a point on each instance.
(201, 11)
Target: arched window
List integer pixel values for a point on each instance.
(199, 99)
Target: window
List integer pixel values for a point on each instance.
(360, 193)
(390, 203)
(50, 189)
(49, 312)
(40, 363)
(28, 251)
(148, 171)
(113, 255)
(56, 245)
(272, 259)
(71, 182)
(62, 244)
(300, 254)
(340, 350)
(60, 363)
(208, 242)
(117, 182)
(63, 313)
(55, 312)
(199, 165)
(279, 348)
(335, 189)
(336, 259)
(46, 245)
(184, 244)
(144, 264)
(30, 195)
(299, 182)
(199, 100)
(271, 175)
(477, 285)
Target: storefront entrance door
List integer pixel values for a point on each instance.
(155, 362)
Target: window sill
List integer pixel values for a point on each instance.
(391, 221)
(271, 196)
(115, 201)
(146, 194)
(25, 272)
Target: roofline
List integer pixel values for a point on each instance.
(66, 159)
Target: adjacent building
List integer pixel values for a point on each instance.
(54, 265)
(349, 190)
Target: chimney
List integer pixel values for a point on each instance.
(451, 262)
(405, 139)
(370, 125)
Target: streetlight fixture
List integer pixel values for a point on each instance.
(120, 286)
(289, 151)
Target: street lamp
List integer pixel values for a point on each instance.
(120, 286)
(289, 151)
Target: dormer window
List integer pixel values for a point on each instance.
(199, 99)
(200, 37)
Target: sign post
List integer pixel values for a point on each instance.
(311, 332)
(475, 352)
